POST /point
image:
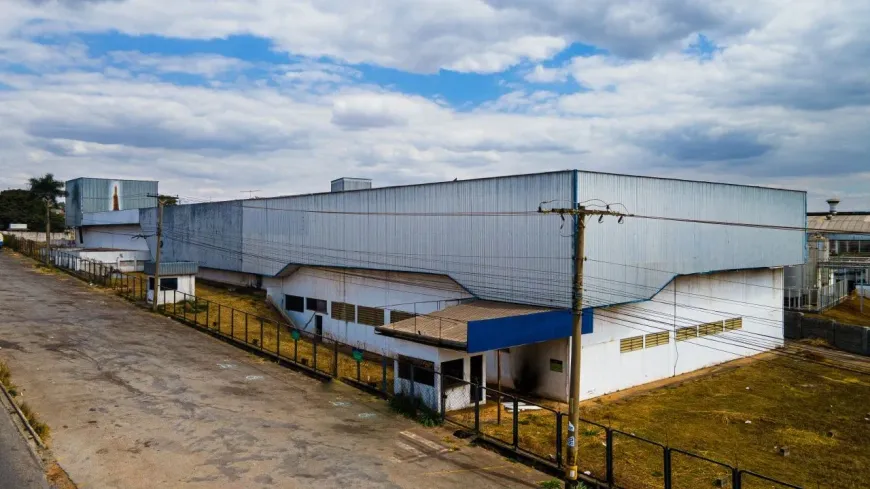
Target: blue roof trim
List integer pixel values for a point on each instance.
(492, 334)
(848, 237)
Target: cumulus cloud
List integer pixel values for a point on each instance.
(783, 100)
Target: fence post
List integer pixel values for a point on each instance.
(667, 467)
(384, 376)
(559, 438)
(476, 408)
(443, 401)
(736, 479)
(412, 386)
(335, 360)
(609, 456)
(516, 428)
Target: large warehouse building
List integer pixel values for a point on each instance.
(452, 273)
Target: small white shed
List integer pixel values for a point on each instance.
(177, 281)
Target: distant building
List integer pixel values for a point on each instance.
(838, 259)
(104, 214)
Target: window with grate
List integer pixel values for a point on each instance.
(688, 333)
(396, 316)
(656, 339)
(294, 303)
(734, 323)
(556, 366)
(424, 371)
(370, 315)
(710, 328)
(316, 305)
(631, 344)
(343, 311)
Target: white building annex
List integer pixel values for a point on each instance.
(105, 216)
(450, 273)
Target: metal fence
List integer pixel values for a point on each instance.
(609, 457)
(816, 299)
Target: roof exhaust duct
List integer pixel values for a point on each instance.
(832, 204)
(345, 183)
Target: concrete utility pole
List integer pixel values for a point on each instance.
(47, 231)
(157, 254)
(580, 213)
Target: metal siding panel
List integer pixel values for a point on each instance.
(207, 234)
(95, 194)
(632, 261)
(172, 268)
(520, 259)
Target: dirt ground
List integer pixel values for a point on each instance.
(140, 401)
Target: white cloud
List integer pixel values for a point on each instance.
(541, 74)
(425, 35)
(785, 102)
(208, 65)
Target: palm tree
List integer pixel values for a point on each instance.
(47, 188)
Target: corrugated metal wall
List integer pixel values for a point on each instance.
(208, 234)
(633, 260)
(509, 258)
(97, 195)
(515, 258)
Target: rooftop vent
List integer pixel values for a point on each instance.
(345, 183)
(833, 203)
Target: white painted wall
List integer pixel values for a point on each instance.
(411, 292)
(186, 284)
(458, 397)
(535, 357)
(754, 295)
(125, 261)
(112, 237)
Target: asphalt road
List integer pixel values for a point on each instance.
(18, 468)
(135, 400)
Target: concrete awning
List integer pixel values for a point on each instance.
(479, 325)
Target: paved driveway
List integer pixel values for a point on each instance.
(139, 401)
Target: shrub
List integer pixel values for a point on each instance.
(414, 408)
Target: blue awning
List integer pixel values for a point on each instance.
(506, 332)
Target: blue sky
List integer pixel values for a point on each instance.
(286, 96)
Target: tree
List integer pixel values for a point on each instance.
(47, 188)
(23, 207)
(168, 199)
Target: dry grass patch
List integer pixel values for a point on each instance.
(848, 311)
(747, 416)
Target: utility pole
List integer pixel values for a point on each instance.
(580, 213)
(47, 231)
(157, 254)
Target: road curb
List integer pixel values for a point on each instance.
(8, 399)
